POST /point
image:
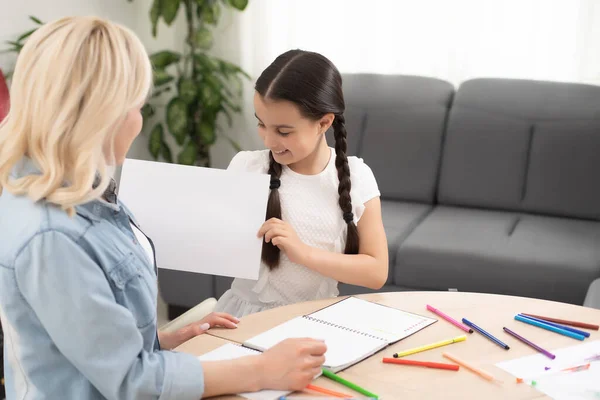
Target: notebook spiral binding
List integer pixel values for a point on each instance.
(343, 327)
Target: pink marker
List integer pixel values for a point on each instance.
(449, 319)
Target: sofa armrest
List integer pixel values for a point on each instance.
(592, 299)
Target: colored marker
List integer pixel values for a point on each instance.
(430, 346)
(353, 386)
(531, 344)
(576, 324)
(449, 319)
(566, 328)
(328, 391)
(549, 327)
(484, 374)
(486, 334)
(427, 364)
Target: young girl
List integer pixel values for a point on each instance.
(323, 222)
(77, 276)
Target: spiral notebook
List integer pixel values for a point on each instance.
(353, 329)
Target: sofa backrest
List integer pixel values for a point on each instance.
(523, 145)
(396, 124)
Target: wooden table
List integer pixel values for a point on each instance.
(491, 312)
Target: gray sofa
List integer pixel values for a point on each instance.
(493, 187)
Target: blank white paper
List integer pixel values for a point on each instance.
(231, 351)
(202, 220)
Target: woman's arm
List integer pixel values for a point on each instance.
(290, 365)
(71, 297)
(369, 268)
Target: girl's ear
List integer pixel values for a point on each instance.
(325, 122)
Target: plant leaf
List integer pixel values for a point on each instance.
(210, 15)
(203, 39)
(211, 97)
(161, 77)
(36, 20)
(156, 140)
(177, 119)
(155, 12)
(166, 153)
(161, 91)
(169, 10)
(164, 58)
(187, 90)
(239, 4)
(207, 131)
(26, 35)
(229, 69)
(147, 111)
(188, 155)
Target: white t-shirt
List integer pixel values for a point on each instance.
(309, 203)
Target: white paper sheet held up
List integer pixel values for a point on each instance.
(201, 220)
(230, 351)
(556, 383)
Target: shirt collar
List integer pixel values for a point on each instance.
(93, 210)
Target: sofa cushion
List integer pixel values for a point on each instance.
(399, 220)
(523, 146)
(184, 289)
(222, 284)
(501, 252)
(396, 124)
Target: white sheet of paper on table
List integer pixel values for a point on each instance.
(230, 351)
(571, 385)
(201, 220)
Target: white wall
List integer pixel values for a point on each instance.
(14, 21)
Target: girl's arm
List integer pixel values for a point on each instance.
(369, 268)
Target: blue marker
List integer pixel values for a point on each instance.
(484, 333)
(554, 329)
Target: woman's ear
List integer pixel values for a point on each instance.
(325, 122)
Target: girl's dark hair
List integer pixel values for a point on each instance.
(314, 84)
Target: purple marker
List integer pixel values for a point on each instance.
(527, 342)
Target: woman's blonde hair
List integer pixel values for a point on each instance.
(75, 81)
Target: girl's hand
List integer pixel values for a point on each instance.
(170, 340)
(282, 235)
(292, 364)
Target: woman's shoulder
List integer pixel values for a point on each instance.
(21, 220)
(250, 161)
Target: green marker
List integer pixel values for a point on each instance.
(349, 384)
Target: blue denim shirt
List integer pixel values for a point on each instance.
(78, 307)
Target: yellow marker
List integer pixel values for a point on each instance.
(430, 346)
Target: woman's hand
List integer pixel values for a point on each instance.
(170, 340)
(282, 235)
(292, 364)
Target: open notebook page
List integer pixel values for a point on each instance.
(230, 351)
(374, 319)
(344, 347)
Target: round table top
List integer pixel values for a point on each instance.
(490, 312)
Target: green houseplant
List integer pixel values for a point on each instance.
(203, 87)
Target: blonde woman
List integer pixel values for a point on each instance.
(77, 277)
